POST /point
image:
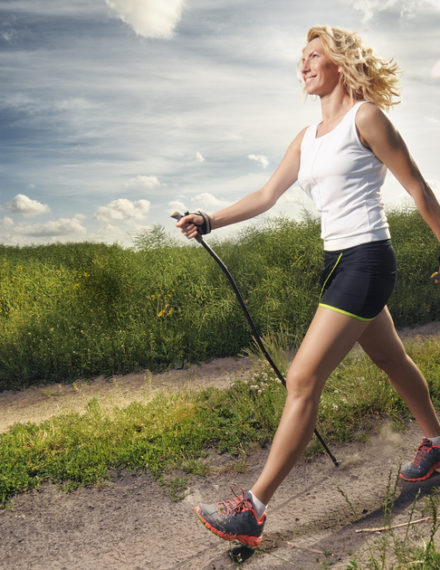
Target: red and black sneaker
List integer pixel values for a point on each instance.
(425, 463)
(234, 519)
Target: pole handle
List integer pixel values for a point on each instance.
(178, 216)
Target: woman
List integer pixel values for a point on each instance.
(341, 164)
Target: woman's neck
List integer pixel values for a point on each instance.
(335, 105)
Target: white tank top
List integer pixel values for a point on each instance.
(344, 179)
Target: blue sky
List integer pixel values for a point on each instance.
(113, 113)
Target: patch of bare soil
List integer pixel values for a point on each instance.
(131, 523)
(39, 403)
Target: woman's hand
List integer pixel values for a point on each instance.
(189, 225)
(436, 275)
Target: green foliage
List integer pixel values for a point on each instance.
(415, 299)
(77, 310)
(401, 547)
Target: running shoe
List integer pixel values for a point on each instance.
(234, 519)
(425, 463)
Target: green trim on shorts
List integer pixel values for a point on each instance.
(329, 275)
(364, 319)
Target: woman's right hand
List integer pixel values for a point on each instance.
(189, 225)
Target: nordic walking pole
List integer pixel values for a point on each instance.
(199, 238)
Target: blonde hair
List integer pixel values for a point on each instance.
(365, 75)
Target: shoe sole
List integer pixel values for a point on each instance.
(244, 539)
(427, 476)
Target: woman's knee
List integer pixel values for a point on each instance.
(304, 385)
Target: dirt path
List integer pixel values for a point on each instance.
(130, 522)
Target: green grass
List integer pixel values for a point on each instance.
(408, 546)
(79, 310)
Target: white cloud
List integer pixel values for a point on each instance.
(411, 7)
(202, 200)
(22, 204)
(8, 35)
(209, 200)
(177, 206)
(149, 18)
(110, 233)
(263, 160)
(407, 8)
(146, 181)
(55, 228)
(370, 7)
(123, 209)
(6, 223)
(75, 104)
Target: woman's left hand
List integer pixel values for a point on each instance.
(189, 225)
(436, 276)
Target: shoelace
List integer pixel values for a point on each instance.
(422, 450)
(235, 505)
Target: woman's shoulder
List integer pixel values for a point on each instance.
(369, 116)
(372, 123)
(306, 132)
(297, 141)
(367, 111)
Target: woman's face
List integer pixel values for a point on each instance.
(319, 73)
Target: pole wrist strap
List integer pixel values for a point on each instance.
(205, 228)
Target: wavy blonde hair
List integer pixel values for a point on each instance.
(365, 75)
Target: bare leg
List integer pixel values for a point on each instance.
(329, 338)
(382, 344)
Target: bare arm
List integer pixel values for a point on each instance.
(254, 203)
(378, 133)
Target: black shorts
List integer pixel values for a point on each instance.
(358, 281)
